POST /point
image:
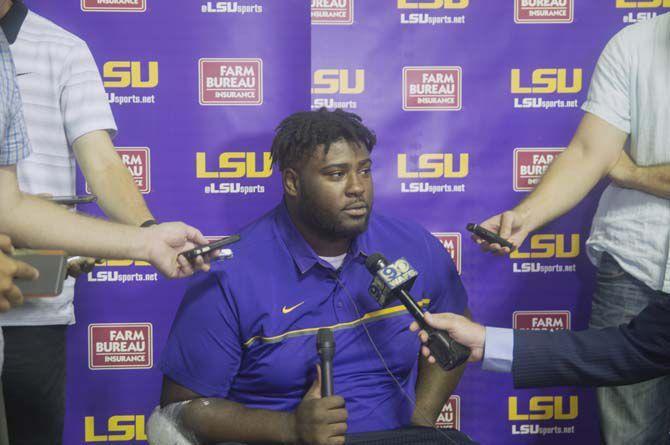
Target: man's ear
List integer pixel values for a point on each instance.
(290, 182)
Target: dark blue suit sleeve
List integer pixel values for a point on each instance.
(619, 355)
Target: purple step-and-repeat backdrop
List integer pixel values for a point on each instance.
(471, 101)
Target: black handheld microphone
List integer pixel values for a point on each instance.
(325, 346)
(392, 279)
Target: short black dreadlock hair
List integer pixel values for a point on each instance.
(298, 135)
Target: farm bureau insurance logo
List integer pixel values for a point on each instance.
(554, 413)
(436, 167)
(231, 8)
(114, 5)
(141, 77)
(230, 81)
(431, 12)
(233, 165)
(544, 11)
(432, 88)
(558, 82)
(451, 241)
(541, 320)
(450, 416)
(332, 12)
(530, 164)
(120, 346)
(645, 5)
(337, 84)
(138, 162)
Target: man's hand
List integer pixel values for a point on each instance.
(80, 265)
(464, 331)
(10, 295)
(624, 171)
(510, 225)
(320, 421)
(165, 242)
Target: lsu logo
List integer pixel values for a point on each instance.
(433, 4)
(126, 74)
(547, 245)
(452, 242)
(435, 165)
(113, 6)
(548, 81)
(138, 162)
(643, 4)
(120, 346)
(332, 12)
(544, 408)
(530, 164)
(431, 88)
(230, 81)
(334, 81)
(542, 320)
(544, 11)
(119, 429)
(450, 416)
(235, 165)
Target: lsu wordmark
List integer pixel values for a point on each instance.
(130, 82)
(546, 88)
(640, 10)
(543, 415)
(336, 87)
(432, 12)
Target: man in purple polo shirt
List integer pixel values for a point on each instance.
(240, 361)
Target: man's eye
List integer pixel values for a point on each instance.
(336, 174)
(366, 171)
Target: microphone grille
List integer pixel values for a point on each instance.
(375, 262)
(325, 337)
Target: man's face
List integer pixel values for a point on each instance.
(335, 195)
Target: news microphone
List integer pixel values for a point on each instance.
(325, 347)
(395, 280)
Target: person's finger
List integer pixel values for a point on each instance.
(14, 296)
(314, 391)
(74, 270)
(333, 402)
(338, 429)
(414, 326)
(423, 336)
(337, 415)
(185, 268)
(194, 235)
(6, 245)
(336, 440)
(4, 304)
(506, 222)
(26, 271)
(431, 360)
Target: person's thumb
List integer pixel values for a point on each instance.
(314, 391)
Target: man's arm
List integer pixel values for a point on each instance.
(212, 420)
(109, 179)
(592, 153)
(613, 356)
(434, 386)
(654, 179)
(34, 222)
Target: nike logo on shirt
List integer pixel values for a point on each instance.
(285, 310)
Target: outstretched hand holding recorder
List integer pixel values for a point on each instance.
(394, 281)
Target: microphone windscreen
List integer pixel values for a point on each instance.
(325, 338)
(375, 262)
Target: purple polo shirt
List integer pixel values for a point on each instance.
(246, 331)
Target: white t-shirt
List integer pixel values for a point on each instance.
(630, 89)
(63, 99)
(335, 261)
